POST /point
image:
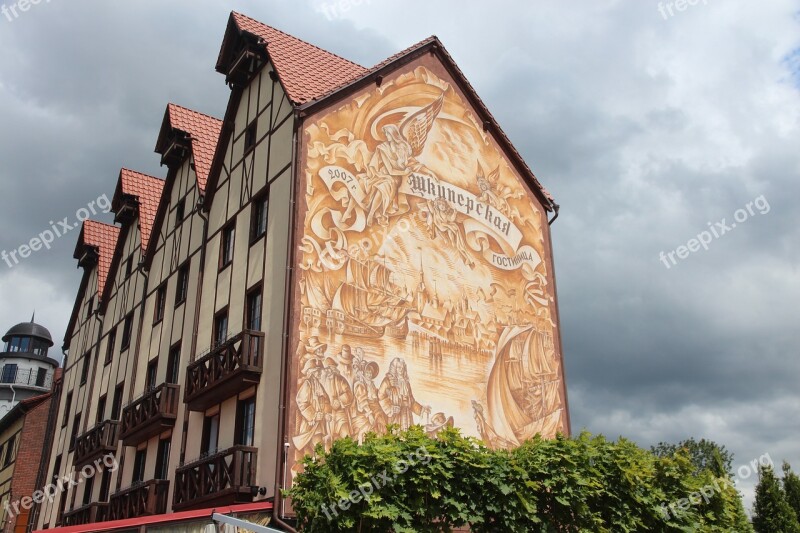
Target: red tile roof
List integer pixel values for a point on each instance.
(104, 237)
(204, 131)
(148, 191)
(307, 71)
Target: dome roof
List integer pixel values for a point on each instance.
(29, 329)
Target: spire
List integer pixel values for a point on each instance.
(33, 316)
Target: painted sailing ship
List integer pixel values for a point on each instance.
(368, 303)
(524, 391)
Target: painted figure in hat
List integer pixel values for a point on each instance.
(397, 398)
(314, 410)
(341, 396)
(368, 413)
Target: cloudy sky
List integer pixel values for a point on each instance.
(649, 128)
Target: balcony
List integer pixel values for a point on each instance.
(141, 499)
(223, 478)
(98, 441)
(229, 368)
(88, 514)
(11, 375)
(151, 414)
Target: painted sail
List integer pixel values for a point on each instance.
(523, 392)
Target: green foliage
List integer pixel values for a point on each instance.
(772, 513)
(791, 487)
(584, 484)
(705, 455)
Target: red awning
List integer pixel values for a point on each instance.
(163, 518)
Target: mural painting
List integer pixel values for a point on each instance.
(424, 291)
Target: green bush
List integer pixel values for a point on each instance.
(406, 481)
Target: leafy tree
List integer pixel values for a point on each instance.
(705, 454)
(406, 481)
(772, 513)
(791, 487)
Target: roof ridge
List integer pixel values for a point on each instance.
(298, 39)
(184, 108)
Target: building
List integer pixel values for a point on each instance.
(26, 370)
(281, 255)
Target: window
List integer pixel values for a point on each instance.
(85, 368)
(116, 406)
(226, 247)
(111, 343)
(87, 491)
(210, 435)
(89, 307)
(258, 220)
(183, 285)
(138, 465)
(250, 136)
(10, 451)
(161, 302)
(67, 406)
(127, 330)
(74, 434)
(9, 373)
(56, 468)
(162, 459)
(253, 318)
(129, 267)
(245, 422)
(105, 485)
(41, 376)
(150, 377)
(101, 409)
(180, 212)
(220, 327)
(173, 363)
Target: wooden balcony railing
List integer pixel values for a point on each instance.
(228, 369)
(223, 478)
(87, 514)
(99, 440)
(142, 499)
(151, 414)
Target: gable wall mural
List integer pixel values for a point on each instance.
(424, 286)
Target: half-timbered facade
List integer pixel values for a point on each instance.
(341, 229)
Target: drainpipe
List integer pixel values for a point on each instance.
(555, 208)
(283, 443)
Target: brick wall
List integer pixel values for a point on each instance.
(29, 455)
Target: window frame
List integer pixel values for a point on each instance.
(127, 332)
(259, 211)
(111, 341)
(182, 287)
(160, 304)
(227, 244)
(250, 136)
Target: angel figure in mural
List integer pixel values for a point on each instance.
(442, 220)
(314, 409)
(394, 159)
(497, 195)
(396, 397)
